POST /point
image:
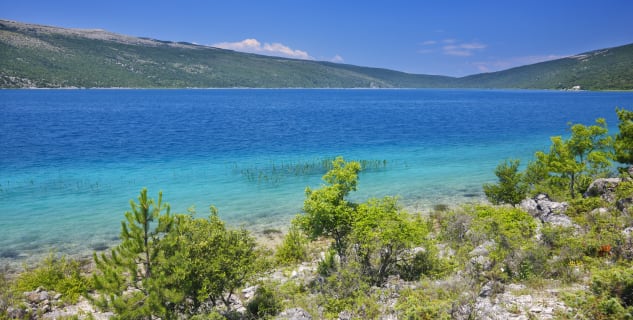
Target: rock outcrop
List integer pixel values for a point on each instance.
(546, 210)
(603, 188)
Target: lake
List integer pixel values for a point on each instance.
(71, 160)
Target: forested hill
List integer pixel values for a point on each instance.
(42, 56)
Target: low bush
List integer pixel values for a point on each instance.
(58, 274)
(293, 249)
(264, 304)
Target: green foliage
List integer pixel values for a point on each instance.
(264, 304)
(573, 162)
(168, 266)
(425, 304)
(131, 263)
(348, 290)
(611, 295)
(59, 274)
(580, 206)
(382, 235)
(624, 139)
(293, 249)
(424, 262)
(624, 190)
(327, 211)
(208, 316)
(511, 188)
(375, 234)
(6, 294)
(507, 226)
(616, 283)
(328, 264)
(200, 260)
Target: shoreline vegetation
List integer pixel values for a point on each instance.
(555, 242)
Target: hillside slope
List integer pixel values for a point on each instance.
(50, 57)
(605, 69)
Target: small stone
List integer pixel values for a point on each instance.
(32, 297)
(57, 296)
(16, 313)
(249, 292)
(345, 315)
(46, 308)
(536, 310)
(295, 314)
(486, 290)
(43, 295)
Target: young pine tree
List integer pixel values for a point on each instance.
(511, 188)
(125, 278)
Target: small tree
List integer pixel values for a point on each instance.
(382, 236)
(125, 277)
(561, 161)
(327, 211)
(168, 266)
(293, 249)
(201, 260)
(586, 154)
(624, 139)
(511, 188)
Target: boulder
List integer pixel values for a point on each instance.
(603, 188)
(479, 261)
(546, 210)
(294, 314)
(624, 204)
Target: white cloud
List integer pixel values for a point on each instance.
(451, 47)
(463, 49)
(337, 59)
(273, 49)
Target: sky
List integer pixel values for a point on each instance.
(449, 37)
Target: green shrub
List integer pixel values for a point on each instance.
(580, 206)
(616, 283)
(264, 304)
(511, 188)
(424, 304)
(6, 294)
(58, 274)
(208, 316)
(611, 296)
(293, 249)
(624, 190)
(328, 264)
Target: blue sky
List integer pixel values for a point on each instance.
(449, 37)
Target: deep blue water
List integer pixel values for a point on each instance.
(70, 160)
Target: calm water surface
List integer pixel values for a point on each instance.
(70, 160)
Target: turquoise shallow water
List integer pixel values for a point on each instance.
(70, 160)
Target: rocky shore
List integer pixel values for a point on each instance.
(487, 299)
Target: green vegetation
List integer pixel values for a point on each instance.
(173, 266)
(131, 265)
(39, 56)
(511, 188)
(372, 258)
(294, 247)
(59, 274)
(624, 138)
(565, 171)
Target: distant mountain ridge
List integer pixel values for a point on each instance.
(50, 57)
